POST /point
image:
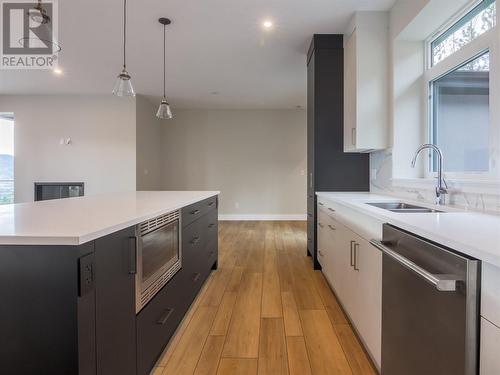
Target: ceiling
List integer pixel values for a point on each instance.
(218, 53)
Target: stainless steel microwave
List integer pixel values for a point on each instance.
(159, 255)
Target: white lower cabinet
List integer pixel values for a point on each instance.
(353, 268)
(324, 241)
(368, 292)
(490, 346)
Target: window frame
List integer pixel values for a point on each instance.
(486, 42)
(8, 116)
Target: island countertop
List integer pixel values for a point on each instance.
(74, 221)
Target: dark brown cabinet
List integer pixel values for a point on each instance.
(157, 322)
(329, 168)
(115, 304)
(47, 314)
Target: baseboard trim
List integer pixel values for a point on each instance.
(264, 217)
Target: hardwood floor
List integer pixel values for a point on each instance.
(264, 311)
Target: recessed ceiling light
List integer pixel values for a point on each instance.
(57, 71)
(267, 24)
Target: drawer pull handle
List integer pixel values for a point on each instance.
(321, 253)
(211, 225)
(321, 203)
(331, 227)
(331, 209)
(320, 225)
(355, 251)
(211, 204)
(163, 319)
(352, 255)
(196, 277)
(195, 212)
(195, 240)
(132, 255)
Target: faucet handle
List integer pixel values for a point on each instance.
(445, 183)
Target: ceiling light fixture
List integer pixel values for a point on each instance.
(57, 71)
(44, 31)
(39, 14)
(164, 111)
(267, 24)
(123, 85)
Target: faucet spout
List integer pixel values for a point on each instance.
(441, 189)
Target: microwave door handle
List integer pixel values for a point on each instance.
(443, 283)
(132, 255)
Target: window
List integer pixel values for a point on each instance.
(461, 87)
(6, 158)
(475, 23)
(461, 116)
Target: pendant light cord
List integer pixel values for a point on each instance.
(124, 33)
(164, 58)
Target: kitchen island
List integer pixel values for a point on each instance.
(70, 276)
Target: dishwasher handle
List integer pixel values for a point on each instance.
(443, 283)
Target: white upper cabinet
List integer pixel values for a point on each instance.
(366, 86)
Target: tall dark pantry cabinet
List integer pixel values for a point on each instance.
(328, 167)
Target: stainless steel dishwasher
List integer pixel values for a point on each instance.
(430, 307)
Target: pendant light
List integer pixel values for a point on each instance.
(123, 85)
(38, 14)
(44, 30)
(164, 111)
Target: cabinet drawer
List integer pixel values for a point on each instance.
(199, 251)
(490, 293)
(157, 322)
(197, 210)
(328, 208)
(490, 342)
(199, 240)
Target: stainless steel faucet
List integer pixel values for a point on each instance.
(441, 188)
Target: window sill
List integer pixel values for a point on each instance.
(477, 186)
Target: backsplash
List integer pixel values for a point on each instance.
(381, 161)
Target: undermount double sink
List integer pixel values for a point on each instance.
(402, 207)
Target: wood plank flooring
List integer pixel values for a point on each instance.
(264, 311)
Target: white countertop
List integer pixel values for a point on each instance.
(471, 233)
(74, 221)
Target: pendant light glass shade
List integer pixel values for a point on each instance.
(164, 111)
(123, 85)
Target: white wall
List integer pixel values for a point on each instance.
(103, 149)
(148, 141)
(256, 158)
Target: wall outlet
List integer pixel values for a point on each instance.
(302, 172)
(237, 205)
(65, 141)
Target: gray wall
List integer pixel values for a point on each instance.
(256, 158)
(103, 148)
(148, 141)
